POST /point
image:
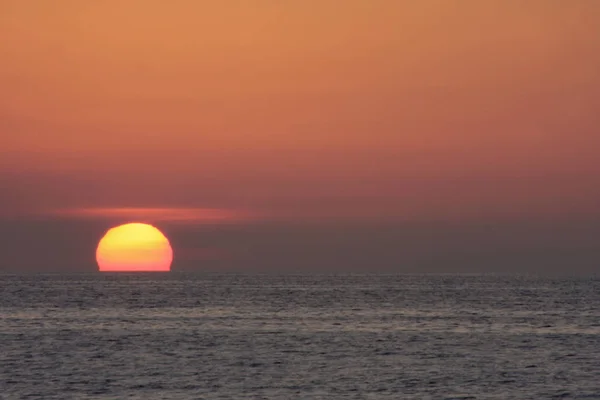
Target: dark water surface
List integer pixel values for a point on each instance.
(179, 336)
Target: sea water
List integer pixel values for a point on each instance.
(210, 336)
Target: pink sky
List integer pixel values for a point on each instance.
(429, 109)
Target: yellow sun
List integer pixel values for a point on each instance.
(134, 247)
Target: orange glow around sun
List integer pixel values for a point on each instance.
(134, 247)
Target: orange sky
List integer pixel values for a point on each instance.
(384, 107)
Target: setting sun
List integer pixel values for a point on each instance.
(134, 247)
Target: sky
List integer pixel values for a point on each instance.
(429, 136)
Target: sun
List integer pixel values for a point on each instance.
(134, 247)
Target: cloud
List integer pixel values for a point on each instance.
(172, 215)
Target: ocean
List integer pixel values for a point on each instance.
(305, 336)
